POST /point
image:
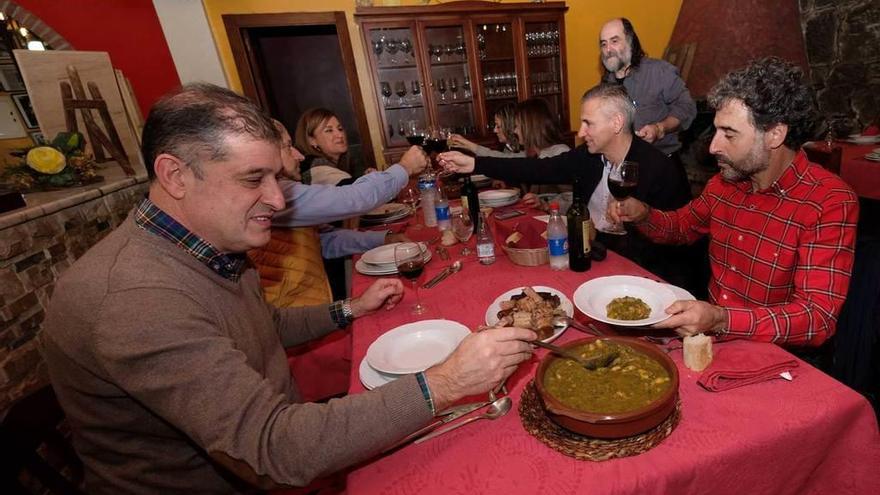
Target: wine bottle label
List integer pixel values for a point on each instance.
(586, 228)
(464, 203)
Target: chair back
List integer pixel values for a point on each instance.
(829, 159)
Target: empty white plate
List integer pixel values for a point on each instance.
(384, 255)
(498, 194)
(415, 346)
(593, 296)
(372, 378)
(564, 303)
(386, 269)
(859, 139)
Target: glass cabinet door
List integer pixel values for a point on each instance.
(451, 86)
(495, 50)
(544, 67)
(399, 87)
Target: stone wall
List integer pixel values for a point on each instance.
(33, 255)
(843, 48)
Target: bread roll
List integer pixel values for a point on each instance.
(697, 352)
(448, 238)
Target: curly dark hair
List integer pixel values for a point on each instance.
(775, 92)
(193, 122)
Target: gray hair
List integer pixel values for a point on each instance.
(616, 95)
(193, 122)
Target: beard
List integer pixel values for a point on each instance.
(621, 58)
(756, 161)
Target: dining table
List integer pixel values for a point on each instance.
(808, 435)
(862, 174)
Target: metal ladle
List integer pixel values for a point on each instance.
(591, 364)
(496, 409)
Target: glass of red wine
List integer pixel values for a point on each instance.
(622, 182)
(410, 260)
(414, 134)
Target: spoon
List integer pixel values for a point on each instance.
(592, 363)
(449, 270)
(561, 322)
(496, 409)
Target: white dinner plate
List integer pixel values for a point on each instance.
(859, 139)
(377, 270)
(499, 203)
(415, 347)
(384, 255)
(372, 378)
(564, 303)
(385, 220)
(386, 210)
(594, 295)
(873, 157)
(680, 294)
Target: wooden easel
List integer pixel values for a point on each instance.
(73, 97)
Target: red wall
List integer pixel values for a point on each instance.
(127, 29)
(730, 34)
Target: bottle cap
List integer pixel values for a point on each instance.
(554, 206)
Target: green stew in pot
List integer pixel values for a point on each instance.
(633, 380)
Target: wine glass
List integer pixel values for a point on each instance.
(622, 182)
(413, 133)
(400, 90)
(466, 86)
(436, 50)
(416, 91)
(441, 87)
(453, 87)
(463, 228)
(410, 196)
(386, 93)
(391, 46)
(406, 48)
(410, 261)
(378, 46)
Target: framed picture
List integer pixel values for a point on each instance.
(23, 102)
(38, 138)
(10, 78)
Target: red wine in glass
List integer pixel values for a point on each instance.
(621, 189)
(411, 270)
(415, 139)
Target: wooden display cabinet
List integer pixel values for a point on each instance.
(450, 66)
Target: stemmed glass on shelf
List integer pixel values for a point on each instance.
(410, 261)
(463, 228)
(622, 182)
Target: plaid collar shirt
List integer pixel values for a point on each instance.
(781, 258)
(151, 218)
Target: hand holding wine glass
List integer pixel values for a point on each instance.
(622, 182)
(410, 261)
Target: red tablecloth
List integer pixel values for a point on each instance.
(861, 174)
(812, 435)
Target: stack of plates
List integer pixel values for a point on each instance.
(480, 180)
(386, 213)
(380, 260)
(861, 139)
(409, 348)
(498, 197)
(874, 155)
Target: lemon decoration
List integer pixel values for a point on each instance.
(46, 160)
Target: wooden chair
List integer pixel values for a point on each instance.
(827, 158)
(682, 57)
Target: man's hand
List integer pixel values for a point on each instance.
(459, 141)
(391, 238)
(651, 132)
(385, 292)
(456, 162)
(414, 160)
(531, 200)
(628, 210)
(693, 317)
(480, 363)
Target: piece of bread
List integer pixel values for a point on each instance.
(697, 352)
(448, 238)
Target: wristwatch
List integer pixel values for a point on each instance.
(346, 310)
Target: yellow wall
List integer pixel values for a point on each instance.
(653, 21)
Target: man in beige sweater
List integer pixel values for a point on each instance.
(169, 363)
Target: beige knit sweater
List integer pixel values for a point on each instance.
(174, 378)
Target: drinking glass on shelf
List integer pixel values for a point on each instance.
(410, 262)
(436, 50)
(400, 90)
(453, 87)
(391, 46)
(406, 49)
(449, 49)
(459, 48)
(416, 91)
(378, 46)
(386, 93)
(441, 87)
(622, 182)
(466, 86)
(463, 228)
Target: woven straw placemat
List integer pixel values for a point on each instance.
(584, 448)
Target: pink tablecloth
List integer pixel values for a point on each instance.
(861, 174)
(812, 435)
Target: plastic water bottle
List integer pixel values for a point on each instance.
(441, 207)
(428, 188)
(557, 239)
(485, 242)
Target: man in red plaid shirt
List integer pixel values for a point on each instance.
(782, 230)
